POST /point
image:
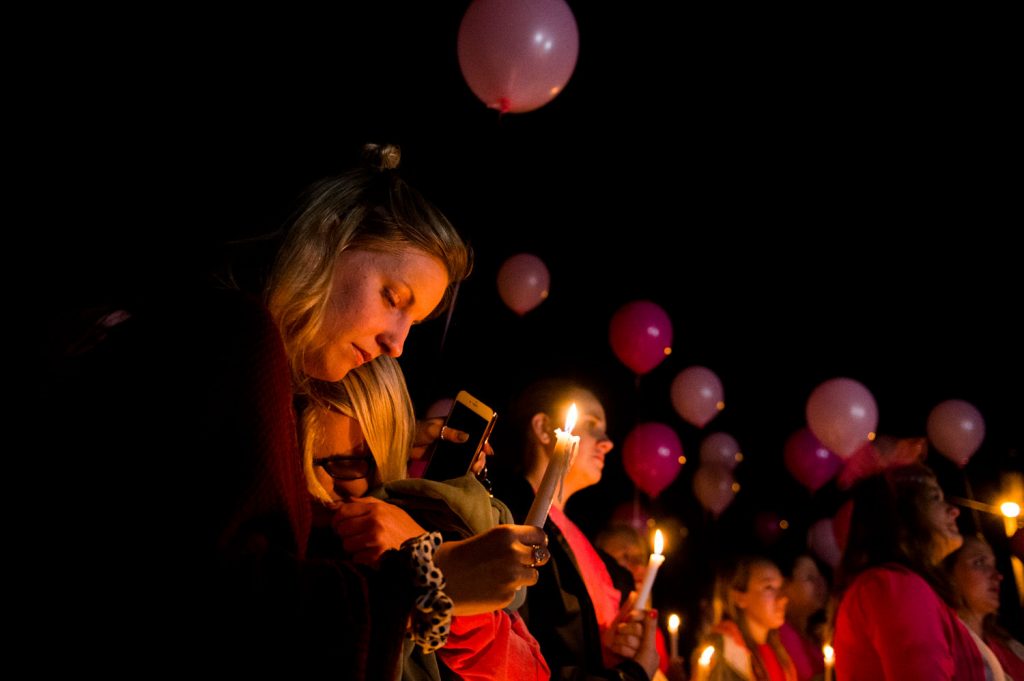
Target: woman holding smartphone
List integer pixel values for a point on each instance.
(356, 439)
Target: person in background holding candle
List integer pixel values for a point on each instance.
(587, 628)
(893, 622)
(975, 578)
(630, 550)
(751, 607)
(807, 591)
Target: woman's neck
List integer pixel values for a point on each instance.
(973, 620)
(758, 633)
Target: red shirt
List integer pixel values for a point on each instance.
(771, 663)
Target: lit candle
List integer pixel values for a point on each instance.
(652, 569)
(565, 448)
(704, 663)
(673, 636)
(830, 660)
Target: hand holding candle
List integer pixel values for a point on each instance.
(565, 448)
(673, 636)
(652, 570)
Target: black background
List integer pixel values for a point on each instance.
(808, 195)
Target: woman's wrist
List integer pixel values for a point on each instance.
(432, 614)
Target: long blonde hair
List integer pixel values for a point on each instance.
(376, 396)
(369, 208)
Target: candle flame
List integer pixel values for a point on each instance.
(570, 419)
(705, 656)
(673, 623)
(830, 654)
(659, 542)
(1010, 509)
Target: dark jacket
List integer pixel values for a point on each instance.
(558, 609)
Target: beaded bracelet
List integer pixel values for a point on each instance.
(432, 616)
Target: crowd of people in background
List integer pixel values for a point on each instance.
(271, 522)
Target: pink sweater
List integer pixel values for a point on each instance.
(891, 625)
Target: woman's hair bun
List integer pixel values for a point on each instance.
(382, 156)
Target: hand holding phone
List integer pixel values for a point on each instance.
(454, 459)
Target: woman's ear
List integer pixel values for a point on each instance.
(739, 598)
(540, 426)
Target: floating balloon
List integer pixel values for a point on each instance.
(720, 449)
(809, 461)
(517, 55)
(651, 455)
(697, 395)
(523, 282)
(714, 488)
(842, 414)
(956, 429)
(768, 527)
(821, 540)
(640, 334)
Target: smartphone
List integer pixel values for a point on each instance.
(454, 459)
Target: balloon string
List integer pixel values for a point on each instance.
(970, 495)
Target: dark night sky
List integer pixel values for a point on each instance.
(807, 197)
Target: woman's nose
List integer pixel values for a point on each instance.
(392, 341)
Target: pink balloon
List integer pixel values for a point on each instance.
(821, 540)
(809, 461)
(641, 335)
(713, 487)
(697, 395)
(523, 282)
(651, 455)
(517, 55)
(632, 514)
(956, 429)
(842, 414)
(720, 449)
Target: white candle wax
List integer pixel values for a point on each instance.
(652, 570)
(558, 466)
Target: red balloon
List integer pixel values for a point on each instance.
(641, 335)
(517, 55)
(523, 282)
(768, 527)
(842, 414)
(697, 395)
(956, 428)
(651, 455)
(714, 488)
(809, 461)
